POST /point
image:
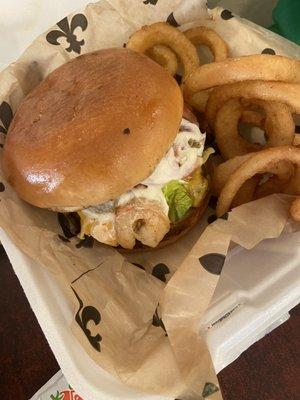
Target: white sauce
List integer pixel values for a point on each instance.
(152, 192)
(180, 161)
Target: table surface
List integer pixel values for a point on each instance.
(268, 370)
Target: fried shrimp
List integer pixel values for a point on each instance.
(141, 220)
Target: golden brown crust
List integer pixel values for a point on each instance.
(93, 129)
(177, 230)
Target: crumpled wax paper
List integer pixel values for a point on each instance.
(138, 315)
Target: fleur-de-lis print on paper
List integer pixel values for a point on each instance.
(157, 321)
(209, 389)
(6, 116)
(153, 2)
(67, 31)
(84, 315)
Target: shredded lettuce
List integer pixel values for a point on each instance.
(178, 198)
(182, 195)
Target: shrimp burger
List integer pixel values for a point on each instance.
(107, 136)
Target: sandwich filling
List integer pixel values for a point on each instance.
(146, 212)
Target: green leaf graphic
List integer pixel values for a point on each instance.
(56, 397)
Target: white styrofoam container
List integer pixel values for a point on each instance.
(256, 290)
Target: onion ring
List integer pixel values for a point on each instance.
(295, 210)
(165, 57)
(245, 192)
(224, 170)
(292, 187)
(250, 189)
(263, 67)
(228, 139)
(254, 113)
(203, 35)
(279, 127)
(199, 100)
(260, 162)
(297, 139)
(283, 170)
(254, 118)
(279, 124)
(164, 34)
(222, 173)
(273, 185)
(287, 93)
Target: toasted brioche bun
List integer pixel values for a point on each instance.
(94, 128)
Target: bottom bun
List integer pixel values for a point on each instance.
(177, 229)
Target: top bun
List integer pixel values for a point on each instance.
(94, 128)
